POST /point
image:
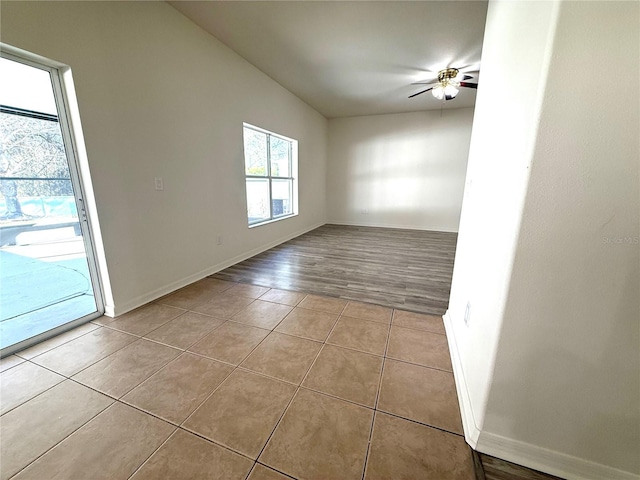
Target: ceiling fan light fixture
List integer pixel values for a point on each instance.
(446, 90)
(451, 90)
(438, 91)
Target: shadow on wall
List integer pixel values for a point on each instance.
(402, 170)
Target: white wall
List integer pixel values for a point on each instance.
(402, 170)
(548, 366)
(500, 155)
(160, 97)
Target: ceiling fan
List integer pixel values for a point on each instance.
(448, 85)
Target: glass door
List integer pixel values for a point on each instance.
(48, 275)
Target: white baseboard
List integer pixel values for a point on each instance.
(136, 302)
(384, 225)
(548, 461)
(110, 310)
(469, 423)
(521, 453)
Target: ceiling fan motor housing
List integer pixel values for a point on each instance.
(447, 74)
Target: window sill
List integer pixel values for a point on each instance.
(266, 222)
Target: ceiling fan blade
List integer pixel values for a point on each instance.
(472, 68)
(420, 93)
(468, 85)
(466, 77)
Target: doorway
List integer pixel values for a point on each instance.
(48, 274)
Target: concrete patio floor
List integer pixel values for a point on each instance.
(44, 284)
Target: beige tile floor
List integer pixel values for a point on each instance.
(230, 381)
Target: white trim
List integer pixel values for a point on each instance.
(521, 453)
(268, 132)
(385, 225)
(549, 461)
(183, 282)
(110, 310)
(276, 219)
(469, 423)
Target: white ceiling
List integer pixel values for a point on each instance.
(348, 58)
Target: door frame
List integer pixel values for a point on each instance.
(68, 120)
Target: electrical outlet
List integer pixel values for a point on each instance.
(159, 183)
(467, 314)
(219, 240)
(364, 211)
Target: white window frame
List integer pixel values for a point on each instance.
(293, 176)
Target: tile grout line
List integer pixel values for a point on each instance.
(251, 470)
(110, 324)
(63, 343)
(162, 297)
(207, 397)
(211, 358)
(420, 365)
(67, 377)
(181, 425)
(216, 442)
(250, 326)
(286, 409)
(336, 397)
(375, 404)
(144, 380)
(64, 438)
(355, 350)
(191, 344)
(384, 361)
(276, 470)
(146, 460)
(236, 367)
(421, 329)
(270, 377)
(293, 397)
(380, 388)
(366, 457)
(38, 394)
(93, 363)
(395, 415)
(313, 363)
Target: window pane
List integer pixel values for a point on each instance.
(282, 197)
(26, 87)
(257, 200)
(255, 152)
(279, 157)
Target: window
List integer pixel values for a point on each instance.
(270, 167)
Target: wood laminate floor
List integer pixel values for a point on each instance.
(497, 469)
(405, 269)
